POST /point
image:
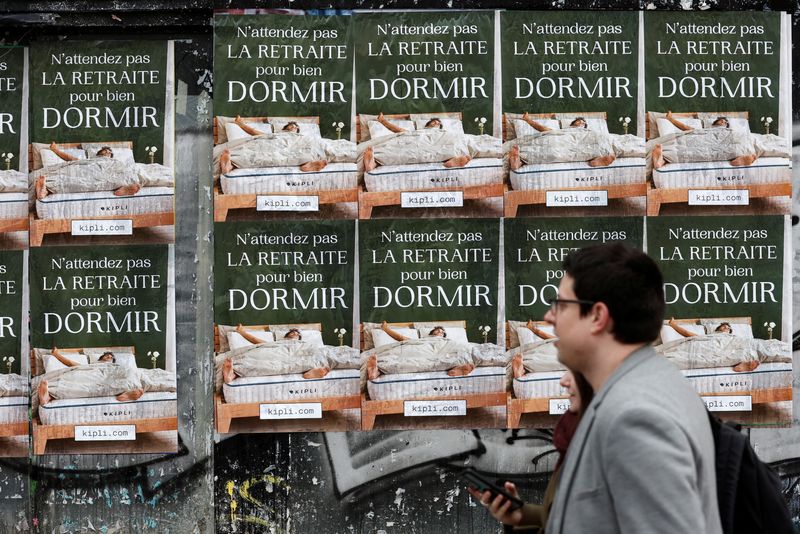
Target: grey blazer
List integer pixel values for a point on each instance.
(642, 459)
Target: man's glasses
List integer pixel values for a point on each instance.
(556, 303)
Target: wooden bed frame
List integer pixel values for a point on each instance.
(657, 196)
(223, 203)
(38, 228)
(367, 200)
(517, 407)
(224, 413)
(516, 198)
(371, 409)
(758, 396)
(19, 224)
(43, 433)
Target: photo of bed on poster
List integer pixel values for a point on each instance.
(101, 142)
(572, 128)
(429, 332)
(13, 145)
(285, 358)
(535, 250)
(427, 129)
(102, 356)
(718, 113)
(283, 106)
(728, 321)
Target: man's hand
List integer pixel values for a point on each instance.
(499, 507)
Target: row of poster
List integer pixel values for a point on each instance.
(87, 331)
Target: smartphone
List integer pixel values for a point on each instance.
(483, 484)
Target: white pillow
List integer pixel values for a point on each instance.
(453, 332)
(669, 334)
(741, 330)
(376, 129)
(237, 341)
(125, 155)
(308, 129)
(50, 158)
(381, 338)
(522, 128)
(736, 124)
(51, 363)
(525, 334)
(448, 125)
(665, 127)
(125, 359)
(596, 125)
(233, 131)
(309, 336)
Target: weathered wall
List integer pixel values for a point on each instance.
(357, 482)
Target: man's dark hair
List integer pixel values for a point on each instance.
(627, 281)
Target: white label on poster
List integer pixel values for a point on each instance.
(432, 199)
(103, 227)
(558, 406)
(729, 403)
(719, 197)
(299, 410)
(563, 199)
(433, 408)
(105, 433)
(287, 203)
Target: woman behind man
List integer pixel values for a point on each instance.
(533, 517)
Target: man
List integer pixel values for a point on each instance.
(642, 459)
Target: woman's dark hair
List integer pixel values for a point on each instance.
(584, 390)
(722, 120)
(299, 334)
(725, 323)
(430, 122)
(435, 328)
(108, 353)
(286, 127)
(576, 119)
(105, 149)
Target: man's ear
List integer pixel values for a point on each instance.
(601, 319)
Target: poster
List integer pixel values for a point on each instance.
(728, 319)
(571, 122)
(429, 332)
(102, 263)
(426, 117)
(535, 249)
(286, 353)
(718, 112)
(14, 386)
(283, 118)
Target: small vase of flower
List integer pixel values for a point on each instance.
(154, 354)
(481, 121)
(340, 332)
(151, 153)
(770, 327)
(339, 127)
(625, 122)
(484, 330)
(766, 122)
(9, 361)
(7, 157)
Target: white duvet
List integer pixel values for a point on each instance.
(722, 350)
(435, 354)
(13, 385)
(102, 174)
(573, 145)
(429, 145)
(12, 181)
(540, 356)
(718, 144)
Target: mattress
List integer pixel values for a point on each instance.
(286, 388)
(726, 380)
(722, 173)
(334, 176)
(404, 386)
(99, 410)
(105, 204)
(13, 410)
(539, 385)
(624, 171)
(479, 171)
(13, 205)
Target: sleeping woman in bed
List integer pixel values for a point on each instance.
(725, 329)
(720, 122)
(101, 173)
(517, 362)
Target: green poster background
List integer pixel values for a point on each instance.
(428, 259)
(89, 85)
(315, 53)
(12, 72)
(554, 62)
(664, 60)
(746, 270)
(11, 292)
(535, 250)
(325, 247)
(47, 264)
(414, 51)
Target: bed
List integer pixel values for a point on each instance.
(529, 184)
(481, 178)
(769, 382)
(151, 206)
(243, 397)
(13, 201)
(766, 177)
(239, 189)
(13, 405)
(483, 387)
(153, 412)
(532, 392)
